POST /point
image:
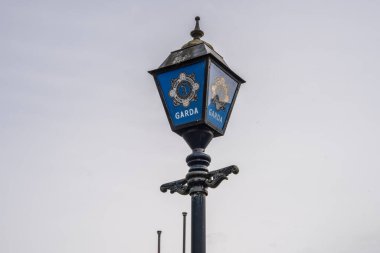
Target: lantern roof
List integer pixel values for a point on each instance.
(189, 53)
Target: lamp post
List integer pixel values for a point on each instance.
(198, 91)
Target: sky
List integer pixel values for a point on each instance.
(85, 143)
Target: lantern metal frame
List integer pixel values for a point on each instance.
(208, 58)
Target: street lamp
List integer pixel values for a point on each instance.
(198, 91)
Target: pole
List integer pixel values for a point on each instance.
(184, 232)
(159, 240)
(198, 162)
(198, 223)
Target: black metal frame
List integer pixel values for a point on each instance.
(208, 58)
(178, 129)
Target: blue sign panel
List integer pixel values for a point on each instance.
(221, 91)
(182, 90)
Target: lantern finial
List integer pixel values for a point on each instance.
(197, 33)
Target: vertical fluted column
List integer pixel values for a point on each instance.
(198, 162)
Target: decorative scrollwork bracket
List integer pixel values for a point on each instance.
(217, 176)
(179, 186)
(212, 180)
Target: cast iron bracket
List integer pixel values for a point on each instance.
(212, 179)
(179, 186)
(217, 176)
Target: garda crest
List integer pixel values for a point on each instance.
(219, 93)
(184, 89)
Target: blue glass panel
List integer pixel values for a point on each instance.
(220, 94)
(182, 90)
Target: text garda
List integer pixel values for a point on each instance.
(186, 113)
(194, 111)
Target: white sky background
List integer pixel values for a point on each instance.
(85, 143)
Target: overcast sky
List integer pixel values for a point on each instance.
(85, 143)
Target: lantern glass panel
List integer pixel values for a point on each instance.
(182, 93)
(221, 92)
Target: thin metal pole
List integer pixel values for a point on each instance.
(198, 223)
(184, 232)
(159, 240)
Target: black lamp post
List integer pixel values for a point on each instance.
(198, 91)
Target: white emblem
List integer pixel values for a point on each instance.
(184, 89)
(219, 93)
